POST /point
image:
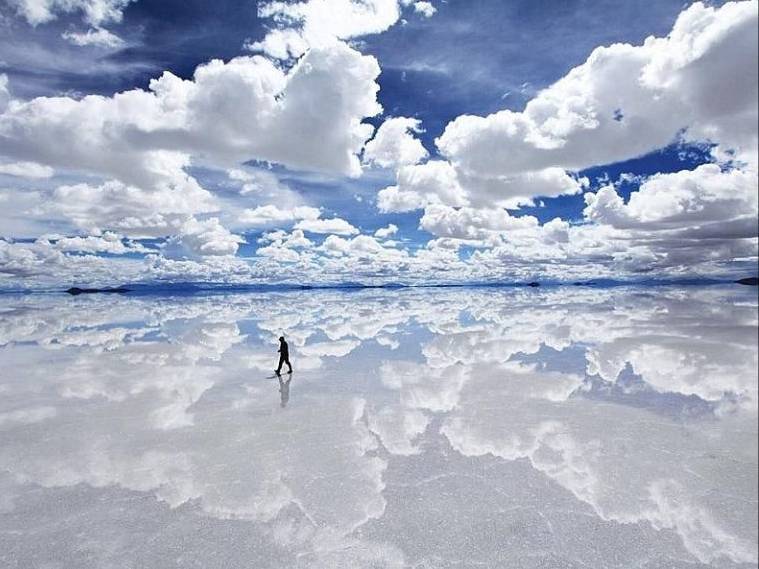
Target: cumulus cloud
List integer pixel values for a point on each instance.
(394, 144)
(627, 100)
(420, 185)
(140, 143)
(335, 225)
(669, 211)
(687, 199)
(271, 215)
(244, 109)
(132, 210)
(316, 23)
(24, 261)
(294, 239)
(283, 246)
(44, 263)
(622, 102)
(424, 8)
(259, 183)
(439, 182)
(365, 259)
(108, 242)
(384, 232)
(197, 238)
(129, 160)
(211, 268)
(469, 223)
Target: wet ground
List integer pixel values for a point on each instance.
(431, 428)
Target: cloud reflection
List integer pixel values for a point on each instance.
(172, 398)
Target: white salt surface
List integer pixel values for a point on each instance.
(435, 428)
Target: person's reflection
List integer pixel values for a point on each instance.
(284, 389)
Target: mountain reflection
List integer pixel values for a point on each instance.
(431, 428)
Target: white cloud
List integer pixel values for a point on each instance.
(94, 12)
(202, 238)
(211, 268)
(228, 113)
(469, 223)
(141, 142)
(622, 102)
(335, 225)
(439, 182)
(261, 184)
(271, 215)
(42, 263)
(419, 185)
(136, 146)
(131, 210)
(424, 8)
(20, 260)
(108, 242)
(282, 246)
(127, 160)
(279, 253)
(94, 36)
(296, 239)
(26, 170)
(627, 100)
(319, 23)
(361, 246)
(696, 199)
(393, 199)
(384, 232)
(394, 144)
(280, 44)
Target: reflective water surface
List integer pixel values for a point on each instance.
(451, 428)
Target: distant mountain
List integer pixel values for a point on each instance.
(192, 288)
(76, 290)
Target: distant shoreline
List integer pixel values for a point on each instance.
(187, 289)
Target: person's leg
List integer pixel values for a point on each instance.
(279, 367)
(289, 367)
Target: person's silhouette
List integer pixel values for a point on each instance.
(284, 356)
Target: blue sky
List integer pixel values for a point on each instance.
(487, 138)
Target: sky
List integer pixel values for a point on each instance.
(381, 141)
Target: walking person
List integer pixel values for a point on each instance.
(284, 356)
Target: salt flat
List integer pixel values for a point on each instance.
(430, 428)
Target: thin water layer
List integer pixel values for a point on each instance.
(436, 428)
